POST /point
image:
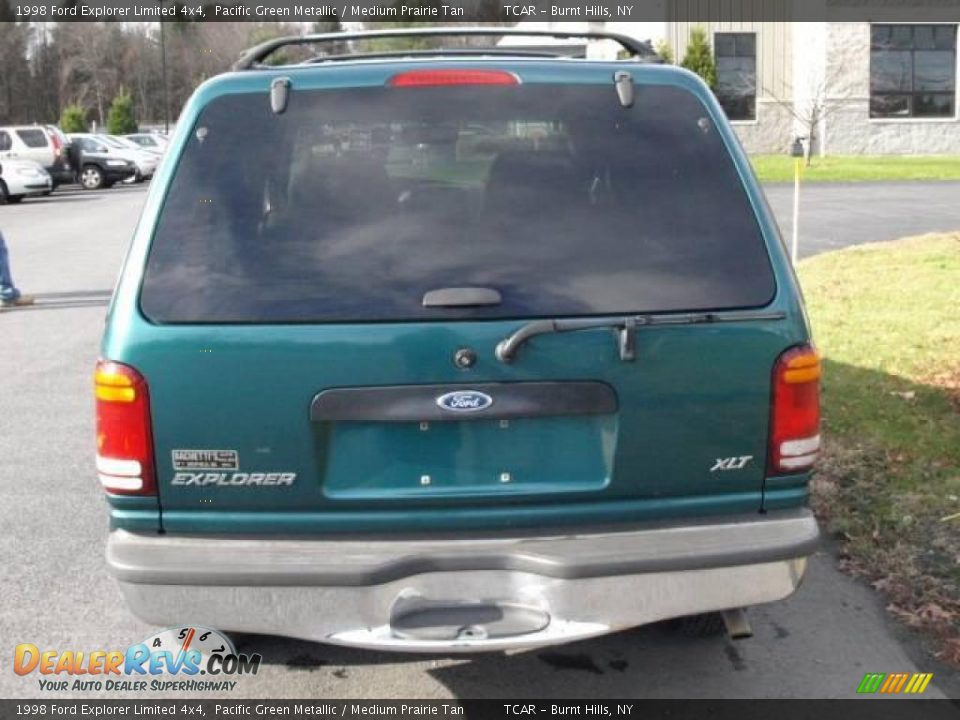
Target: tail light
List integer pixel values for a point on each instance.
(57, 145)
(124, 437)
(433, 78)
(795, 415)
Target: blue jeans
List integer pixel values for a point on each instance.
(7, 289)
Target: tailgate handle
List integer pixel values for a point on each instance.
(461, 297)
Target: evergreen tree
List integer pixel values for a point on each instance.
(120, 120)
(665, 51)
(73, 119)
(699, 57)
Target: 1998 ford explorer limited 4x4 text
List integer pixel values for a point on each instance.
(455, 350)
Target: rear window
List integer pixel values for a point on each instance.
(353, 204)
(33, 138)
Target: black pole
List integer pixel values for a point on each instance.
(163, 72)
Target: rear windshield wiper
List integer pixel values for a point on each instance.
(625, 326)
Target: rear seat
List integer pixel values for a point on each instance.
(526, 184)
(345, 191)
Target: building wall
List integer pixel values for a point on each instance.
(772, 130)
(774, 50)
(849, 130)
(809, 71)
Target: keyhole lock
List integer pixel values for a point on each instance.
(465, 358)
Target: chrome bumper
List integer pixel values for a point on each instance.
(462, 594)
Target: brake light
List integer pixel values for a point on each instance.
(57, 145)
(124, 436)
(795, 412)
(433, 78)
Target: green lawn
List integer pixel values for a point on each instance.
(886, 317)
(837, 168)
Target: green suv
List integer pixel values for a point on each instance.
(451, 350)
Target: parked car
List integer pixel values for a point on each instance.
(40, 144)
(145, 160)
(100, 166)
(22, 178)
(419, 401)
(150, 141)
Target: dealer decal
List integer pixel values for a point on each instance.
(206, 460)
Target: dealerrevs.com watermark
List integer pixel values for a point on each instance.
(184, 659)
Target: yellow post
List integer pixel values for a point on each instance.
(797, 152)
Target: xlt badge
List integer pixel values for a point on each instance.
(731, 463)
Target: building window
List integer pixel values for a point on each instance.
(913, 71)
(736, 55)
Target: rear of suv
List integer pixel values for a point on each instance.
(464, 353)
(42, 144)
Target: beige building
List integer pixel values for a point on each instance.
(856, 87)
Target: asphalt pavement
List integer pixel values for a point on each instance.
(55, 592)
(835, 215)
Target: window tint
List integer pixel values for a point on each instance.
(5, 142)
(353, 204)
(33, 138)
(913, 70)
(737, 74)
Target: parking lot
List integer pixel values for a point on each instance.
(67, 249)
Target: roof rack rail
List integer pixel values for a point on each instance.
(512, 51)
(254, 57)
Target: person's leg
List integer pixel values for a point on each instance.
(8, 291)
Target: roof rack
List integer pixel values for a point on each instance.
(254, 57)
(513, 51)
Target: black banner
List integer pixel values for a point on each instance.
(880, 709)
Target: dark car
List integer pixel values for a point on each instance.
(98, 166)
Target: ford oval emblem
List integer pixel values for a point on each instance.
(465, 401)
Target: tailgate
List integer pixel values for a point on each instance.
(321, 310)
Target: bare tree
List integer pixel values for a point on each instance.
(812, 108)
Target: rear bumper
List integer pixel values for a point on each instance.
(463, 594)
(62, 175)
(119, 174)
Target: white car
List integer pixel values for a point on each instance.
(155, 142)
(146, 160)
(22, 178)
(44, 144)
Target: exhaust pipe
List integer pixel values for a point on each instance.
(736, 623)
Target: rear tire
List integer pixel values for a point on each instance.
(706, 625)
(14, 199)
(3, 193)
(91, 178)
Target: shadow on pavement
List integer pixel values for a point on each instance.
(589, 668)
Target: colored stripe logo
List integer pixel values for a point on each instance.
(894, 683)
